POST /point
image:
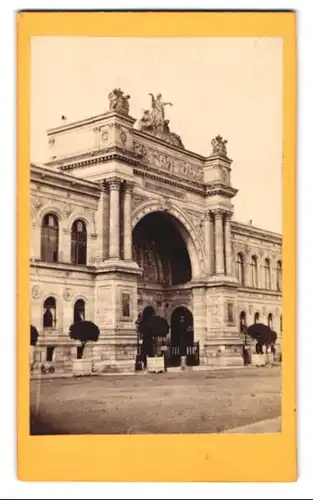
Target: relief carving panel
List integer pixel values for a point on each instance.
(168, 163)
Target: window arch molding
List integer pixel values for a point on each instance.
(79, 242)
(56, 322)
(254, 271)
(278, 276)
(267, 271)
(270, 320)
(84, 218)
(58, 306)
(85, 300)
(50, 237)
(256, 317)
(241, 259)
(53, 209)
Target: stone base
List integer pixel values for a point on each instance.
(122, 366)
(114, 356)
(82, 367)
(221, 355)
(155, 365)
(258, 359)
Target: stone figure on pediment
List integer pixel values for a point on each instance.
(157, 108)
(153, 121)
(219, 145)
(119, 102)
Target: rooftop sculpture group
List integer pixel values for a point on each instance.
(119, 102)
(154, 122)
(219, 146)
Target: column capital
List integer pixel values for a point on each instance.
(209, 215)
(113, 183)
(219, 213)
(103, 186)
(228, 214)
(128, 187)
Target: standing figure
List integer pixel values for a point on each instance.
(157, 106)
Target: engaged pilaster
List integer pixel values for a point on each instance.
(209, 241)
(114, 248)
(228, 250)
(219, 242)
(127, 211)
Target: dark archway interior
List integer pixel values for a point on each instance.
(159, 249)
(182, 326)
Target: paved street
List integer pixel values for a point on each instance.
(186, 402)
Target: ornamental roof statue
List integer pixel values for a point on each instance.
(219, 145)
(153, 122)
(119, 101)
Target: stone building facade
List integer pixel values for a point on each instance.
(123, 217)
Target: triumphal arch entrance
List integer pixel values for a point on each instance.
(161, 235)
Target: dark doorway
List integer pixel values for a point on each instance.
(182, 338)
(147, 343)
(182, 326)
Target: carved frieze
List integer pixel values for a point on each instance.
(167, 163)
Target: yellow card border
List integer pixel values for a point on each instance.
(212, 457)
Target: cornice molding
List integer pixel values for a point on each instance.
(91, 120)
(255, 232)
(220, 189)
(42, 175)
(112, 153)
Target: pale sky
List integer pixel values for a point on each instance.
(227, 86)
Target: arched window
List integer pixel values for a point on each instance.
(79, 243)
(270, 320)
(254, 272)
(49, 238)
(257, 317)
(242, 322)
(267, 270)
(79, 311)
(278, 276)
(240, 269)
(49, 313)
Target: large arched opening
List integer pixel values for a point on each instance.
(165, 249)
(160, 250)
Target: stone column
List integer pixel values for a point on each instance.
(228, 249)
(114, 248)
(127, 207)
(103, 224)
(209, 241)
(219, 242)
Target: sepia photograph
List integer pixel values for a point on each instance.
(156, 235)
